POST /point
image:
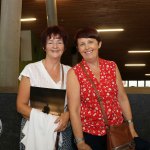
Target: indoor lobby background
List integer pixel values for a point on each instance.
(124, 26)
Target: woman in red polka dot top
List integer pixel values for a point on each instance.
(85, 112)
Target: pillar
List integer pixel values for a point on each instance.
(10, 27)
(51, 11)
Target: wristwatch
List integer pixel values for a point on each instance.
(130, 121)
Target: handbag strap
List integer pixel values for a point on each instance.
(98, 96)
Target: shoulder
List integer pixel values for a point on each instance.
(77, 66)
(71, 75)
(33, 65)
(29, 69)
(66, 67)
(107, 62)
(72, 70)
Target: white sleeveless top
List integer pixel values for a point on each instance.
(39, 76)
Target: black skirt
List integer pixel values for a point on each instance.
(96, 142)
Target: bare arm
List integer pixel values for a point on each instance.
(23, 97)
(73, 93)
(124, 102)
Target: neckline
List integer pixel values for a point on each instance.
(61, 76)
(90, 71)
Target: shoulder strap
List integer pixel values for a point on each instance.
(62, 82)
(98, 96)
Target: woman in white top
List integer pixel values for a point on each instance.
(46, 73)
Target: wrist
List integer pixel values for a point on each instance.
(79, 140)
(130, 121)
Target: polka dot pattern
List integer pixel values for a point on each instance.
(91, 116)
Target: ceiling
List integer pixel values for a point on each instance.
(132, 15)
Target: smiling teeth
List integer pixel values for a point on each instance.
(89, 51)
(55, 51)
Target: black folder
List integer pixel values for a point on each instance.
(43, 98)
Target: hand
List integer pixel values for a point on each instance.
(132, 130)
(83, 146)
(133, 133)
(62, 122)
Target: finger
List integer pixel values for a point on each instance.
(57, 120)
(63, 128)
(59, 126)
(60, 130)
(57, 129)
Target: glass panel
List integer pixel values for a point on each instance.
(148, 83)
(132, 83)
(140, 83)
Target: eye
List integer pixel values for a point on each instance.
(81, 44)
(60, 42)
(90, 41)
(49, 42)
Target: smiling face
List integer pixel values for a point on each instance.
(54, 46)
(88, 48)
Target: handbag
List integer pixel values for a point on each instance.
(118, 136)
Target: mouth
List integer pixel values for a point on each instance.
(89, 52)
(55, 51)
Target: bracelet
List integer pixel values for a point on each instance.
(78, 140)
(130, 121)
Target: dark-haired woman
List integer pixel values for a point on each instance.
(47, 73)
(85, 112)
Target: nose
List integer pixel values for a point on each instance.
(86, 46)
(54, 45)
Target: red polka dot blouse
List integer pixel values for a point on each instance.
(91, 116)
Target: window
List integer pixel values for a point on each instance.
(132, 83)
(140, 83)
(148, 83)
(136, 83)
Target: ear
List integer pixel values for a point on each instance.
(99, 44)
